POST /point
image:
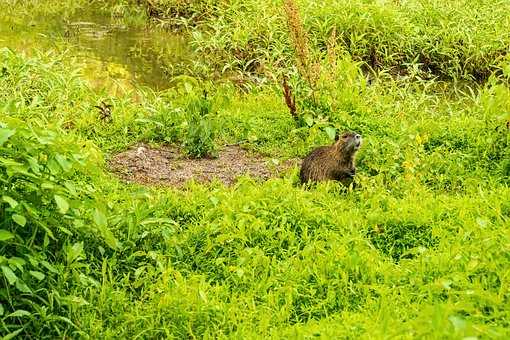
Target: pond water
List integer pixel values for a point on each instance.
(137, 55)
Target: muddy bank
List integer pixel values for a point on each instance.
(169, 166)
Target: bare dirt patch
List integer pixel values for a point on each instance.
(167, 165)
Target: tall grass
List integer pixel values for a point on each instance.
(455, 40)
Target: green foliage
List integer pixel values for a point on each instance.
(418, 250)
(419, 39)
(199, 138)
(401, 240)
(43, 211)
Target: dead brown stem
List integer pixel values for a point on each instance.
(290, 100)
(307, 68)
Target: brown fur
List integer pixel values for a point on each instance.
(332, 162)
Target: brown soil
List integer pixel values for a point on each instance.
(168, 166)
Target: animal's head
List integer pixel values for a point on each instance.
(348, 142)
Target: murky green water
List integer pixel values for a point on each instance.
(107, 47)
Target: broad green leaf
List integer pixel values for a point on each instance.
(12, 335)
(5, 134)
(9, 162)
(308, 120)
(22, 286)
(71, 188)
(110, 239)
(19, 219)
(53, 166)
(49, 267)
(458, 323)
(46, 240)
(9, 275)
(78, 224)
(214, 200)
(33, 261)
(5, 235)
(34, 165)
(11, 201)
(65, 230)
(77, 300)
(17, 262)
(63, 162)
(1, 310)
(19, 313)
(46, 139)
(99, 219)
(331, 132)
(38, 275)
(62, 204)
(47, 185)
(74, 251)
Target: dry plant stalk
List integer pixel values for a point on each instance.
(331, 46)
(299, 38)
(290, 100)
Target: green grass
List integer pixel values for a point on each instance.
(419, 249)
(451, 40)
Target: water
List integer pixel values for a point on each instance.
(107, 47)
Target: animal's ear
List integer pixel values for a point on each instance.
(340, 134)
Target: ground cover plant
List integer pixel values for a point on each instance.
(418, 249)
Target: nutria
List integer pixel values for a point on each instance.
(332, 162)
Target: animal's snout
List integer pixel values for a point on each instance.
(357, 141)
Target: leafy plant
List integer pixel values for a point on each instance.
(199, 138)
(401, 239)
(43, 210)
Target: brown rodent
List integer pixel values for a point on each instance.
(332, 162)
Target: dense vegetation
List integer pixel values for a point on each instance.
(420, 248)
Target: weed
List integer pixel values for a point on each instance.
(199, 138)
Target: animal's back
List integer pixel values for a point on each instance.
(316, 165)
